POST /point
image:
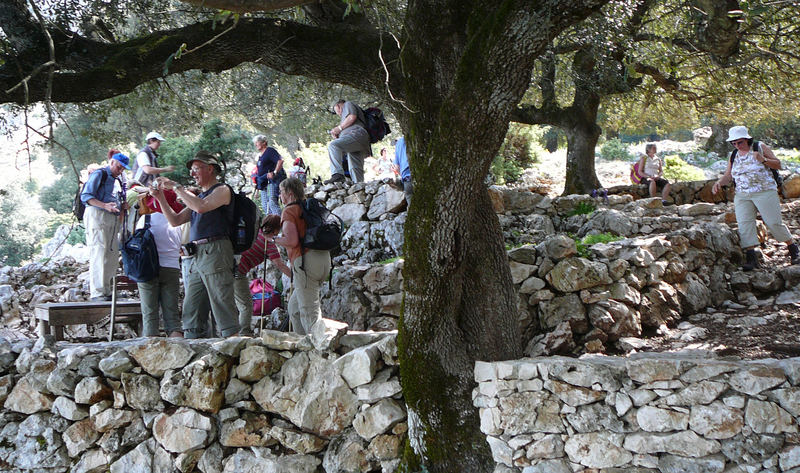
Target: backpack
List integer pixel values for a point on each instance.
(636, 173)
(78, 207)
(323, 227)
(243, 221)
(265, 297)
(375, 124)
(140, 255)
(775, 175)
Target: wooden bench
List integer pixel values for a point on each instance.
(55, 315)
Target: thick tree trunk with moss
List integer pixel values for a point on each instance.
(465, 74)
(581, 142)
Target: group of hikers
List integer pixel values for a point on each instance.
(191, 227)
(753, 167)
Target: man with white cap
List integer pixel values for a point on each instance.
(102, 220)
(146, 169)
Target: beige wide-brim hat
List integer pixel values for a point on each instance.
(205, 157)
(737, 133)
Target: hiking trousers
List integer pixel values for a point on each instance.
(102, 237)
(354, 144)
(768, 204)
(209, 276)
(160, 293)
(303, 307)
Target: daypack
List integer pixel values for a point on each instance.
(323, 227)
(78, 207)
(140, 255)
(265, 297)
(636, 173)
(375, 124)
(775, 175)
(243, 221)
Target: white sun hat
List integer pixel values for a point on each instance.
(737, 133)
(155, 135)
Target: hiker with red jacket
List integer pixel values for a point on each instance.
(756, 191)
(263, 248)
(350, 138)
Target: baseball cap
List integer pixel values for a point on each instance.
(124, 160)
(204, 157)
(155, 135)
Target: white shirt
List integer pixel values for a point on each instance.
(168, 239)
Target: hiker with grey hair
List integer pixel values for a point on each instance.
(750, 166)
(210, 272)
(351, 139)
(270, 174)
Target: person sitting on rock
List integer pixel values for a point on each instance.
(652, 168)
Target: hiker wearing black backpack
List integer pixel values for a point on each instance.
(751, 167)
(350, 138)
(210, 272)
(310, 267)
(103, 222)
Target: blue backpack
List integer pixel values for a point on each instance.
(140, 255)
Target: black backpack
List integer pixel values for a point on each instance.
(375, 124)
(78, 207)
(323, 227)
(775, 175)
(243, 221)
(140, 255)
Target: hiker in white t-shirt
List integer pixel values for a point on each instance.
(652, 168)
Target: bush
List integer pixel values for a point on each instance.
(60, 195)
(23, 225)
(520, 149)
(676, 169)
(584, 243)
(615, 150)
(583, 208)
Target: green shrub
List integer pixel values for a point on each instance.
(584, 243)
(520, 149)
(615, 150)
(676, 169)
(59, 196)
(583, 208)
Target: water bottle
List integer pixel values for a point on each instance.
(241, 233)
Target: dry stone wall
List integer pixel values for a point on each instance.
(329, 401)
(646, 413)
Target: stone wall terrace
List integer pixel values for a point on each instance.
(646, 413)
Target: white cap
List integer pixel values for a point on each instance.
(737, 133)
(155, 135)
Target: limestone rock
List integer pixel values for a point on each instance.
(358, 366)
(756, 379)
(142, 392)
(158, 355)
(68, 409)
(573, 274)
(567, 308)
(686, 443)
(350, 213)
(346, 453)
(703, 392)
(27, 400)
(768, 418)
(548, 447)
(62, 382)
(386, 200)
(573, 395)
(259, 459)
(256, 362)
(183, 431)
(251, 430)
(200, 384)
(378, 418)
(91, 390)
(80, 436)
(145, 458)
(115, 364)
(716, 421)
(653, 419)
(236, 391)
(110, 419)
(326, 333)
(597, 450)
(678, 464)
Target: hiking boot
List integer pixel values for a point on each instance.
(794, 253)
(335, 178)
(751, 260)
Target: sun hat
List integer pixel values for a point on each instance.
(124, 160)
(155, 135)
(737, 133)
(204, 157)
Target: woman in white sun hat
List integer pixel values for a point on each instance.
(750, 166)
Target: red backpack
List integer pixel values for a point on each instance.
(265, 297)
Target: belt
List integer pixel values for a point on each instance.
(203, 241)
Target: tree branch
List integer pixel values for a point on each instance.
(102, 70)
(245, 6)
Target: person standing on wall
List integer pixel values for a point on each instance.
(350, 138)
(270, 175)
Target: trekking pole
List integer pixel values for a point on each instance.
(263, 283)
(114, 280)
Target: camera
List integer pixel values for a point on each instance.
(189, 249)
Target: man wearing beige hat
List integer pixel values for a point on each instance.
(210, 272)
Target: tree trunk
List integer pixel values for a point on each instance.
(581, 142)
